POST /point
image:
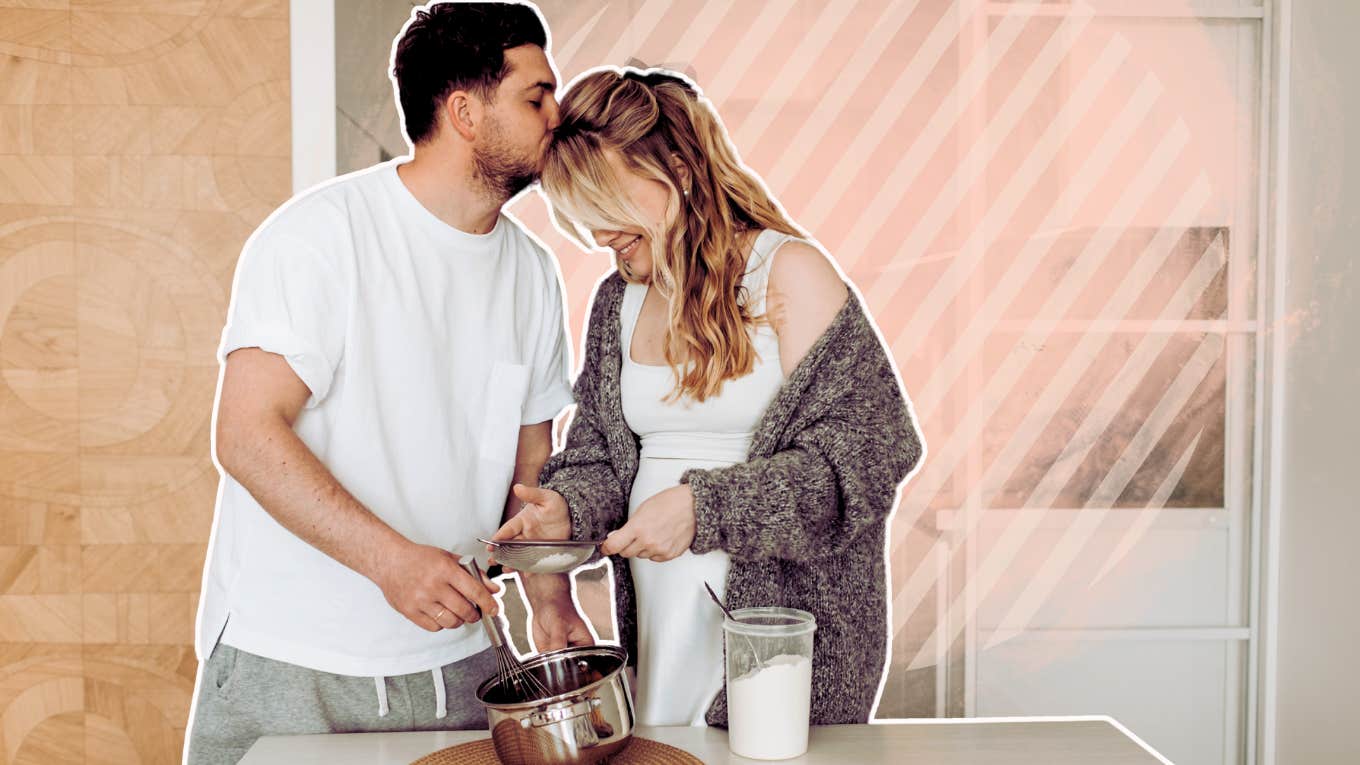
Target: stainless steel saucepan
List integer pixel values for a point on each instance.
(586, 717)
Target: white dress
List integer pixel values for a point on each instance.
(680, 651)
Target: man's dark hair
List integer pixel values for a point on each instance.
(457, 46)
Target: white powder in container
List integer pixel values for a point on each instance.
(767, 709)
(554, 561)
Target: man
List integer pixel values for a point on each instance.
(393, 359)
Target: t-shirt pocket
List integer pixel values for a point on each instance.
(506, 387)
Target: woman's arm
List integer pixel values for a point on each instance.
(839, 474)
(837, 478)
(804, 294)
(583, 471)
(584, 475)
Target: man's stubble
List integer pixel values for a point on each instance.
(502, 170)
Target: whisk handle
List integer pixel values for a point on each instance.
(493, 631)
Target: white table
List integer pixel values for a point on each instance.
(934, 742)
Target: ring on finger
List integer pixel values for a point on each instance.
(442, 611)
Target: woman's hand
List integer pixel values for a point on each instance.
(543, 516)
(660, 529)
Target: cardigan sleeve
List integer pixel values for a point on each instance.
(583, 472)
(835, 478)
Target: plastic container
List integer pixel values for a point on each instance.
(769, 699)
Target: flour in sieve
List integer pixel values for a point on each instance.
(555, 561)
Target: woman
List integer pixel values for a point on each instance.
(739, 422)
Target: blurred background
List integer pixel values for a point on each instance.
(1111, 245)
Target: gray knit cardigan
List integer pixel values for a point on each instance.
(803, 519)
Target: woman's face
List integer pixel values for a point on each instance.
(632, 244)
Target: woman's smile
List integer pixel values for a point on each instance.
(626, 250)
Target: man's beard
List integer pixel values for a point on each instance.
(500, 170)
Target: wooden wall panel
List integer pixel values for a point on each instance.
(140, 144)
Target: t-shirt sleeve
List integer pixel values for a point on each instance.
(550, 380)
(289, 299)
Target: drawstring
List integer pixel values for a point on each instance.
(440, 701)
(380, 683)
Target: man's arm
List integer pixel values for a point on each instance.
(535, 446)
(255, 443)
(556, 621)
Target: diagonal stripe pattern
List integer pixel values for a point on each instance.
(1008, 190)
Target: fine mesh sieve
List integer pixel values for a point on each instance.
(542, 556)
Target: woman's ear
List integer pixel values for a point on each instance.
(681, 172)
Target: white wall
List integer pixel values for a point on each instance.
(311, 43)
(1318, 699)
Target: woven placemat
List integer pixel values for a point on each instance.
(640, 751)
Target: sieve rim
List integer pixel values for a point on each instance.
(543, 542)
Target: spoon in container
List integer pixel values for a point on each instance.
(759, 664)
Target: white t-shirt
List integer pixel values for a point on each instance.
(425, 349)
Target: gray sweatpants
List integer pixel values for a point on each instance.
(242, 697)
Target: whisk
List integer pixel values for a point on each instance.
(511, 674)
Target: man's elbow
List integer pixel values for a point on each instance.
(226, 443)
(239, 436)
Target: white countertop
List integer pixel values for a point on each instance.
(1059, 741)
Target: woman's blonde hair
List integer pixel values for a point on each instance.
(654, 119)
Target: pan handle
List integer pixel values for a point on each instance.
(545, 717)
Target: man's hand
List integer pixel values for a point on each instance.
(428, 586)
(557, 623)
(660, 529)
(543, 516)
(261, 397)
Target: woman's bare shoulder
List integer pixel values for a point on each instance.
(804, 294)
(803, 276)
